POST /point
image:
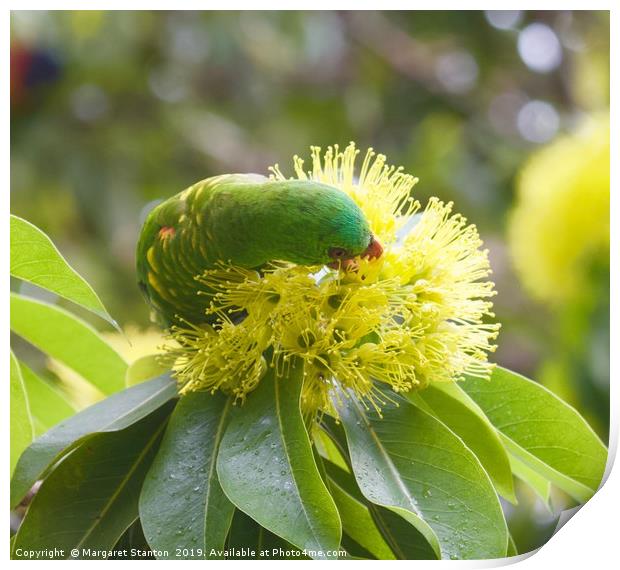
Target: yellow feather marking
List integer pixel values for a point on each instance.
(150, 257)
(202, 245)
(198, 191)
(195, 239)
(153, 282)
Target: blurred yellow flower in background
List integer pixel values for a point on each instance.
(134, 344)
(559, 229)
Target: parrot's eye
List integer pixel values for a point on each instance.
(337, 252)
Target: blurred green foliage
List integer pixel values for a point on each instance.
(111, 111)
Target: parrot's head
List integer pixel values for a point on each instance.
(323, 225)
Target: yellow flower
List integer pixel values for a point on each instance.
(133, 344)
(560, 226)
(413, 316)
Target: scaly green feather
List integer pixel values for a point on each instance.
(247, 220)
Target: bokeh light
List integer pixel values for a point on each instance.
(540, 48)
(538, 121)
(504, 19)
(457, 71)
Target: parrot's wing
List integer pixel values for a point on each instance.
(174, 247)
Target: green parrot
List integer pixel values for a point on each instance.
(247, 220)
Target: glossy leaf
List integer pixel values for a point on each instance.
(48, 405)
(404, 540)
(182, 504)
(351, 550)
(247, 540)
(409, 461)
(267, 469)
(542, 431)
(22, 431)
(91, 498)
(338, 450)
(448, 403)
(540, 485)
(70, 340)
(34, 258)
(357, 522)
(145, 368)
(133, 540)
(112, 414)
(327, 449)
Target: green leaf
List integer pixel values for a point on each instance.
(339, 452)
(134, 543)
(327, 449)
(512, 547)
(357, 521)
(22, 431)
(182, 504)
(145, 368)
(48, 405)
(409, 461)
(542, 431)
(404, 540)
(267, 469)
(247, 540)
(34, 258)
(351, 550)
(70, 340)
(454, 409)
(540, 485)
(112, 414)
(91, 498)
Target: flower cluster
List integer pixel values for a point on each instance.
(415, 315)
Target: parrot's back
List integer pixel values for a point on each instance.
(176, 245)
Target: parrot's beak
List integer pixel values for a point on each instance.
(374, 249)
